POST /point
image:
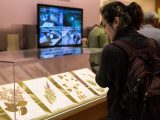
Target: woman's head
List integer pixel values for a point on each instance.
(116, 17)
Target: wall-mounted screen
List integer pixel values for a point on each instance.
(59, 26)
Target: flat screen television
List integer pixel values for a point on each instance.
(59, 26)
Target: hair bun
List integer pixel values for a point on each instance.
(136, 13)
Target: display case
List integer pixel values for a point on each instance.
(52, 83)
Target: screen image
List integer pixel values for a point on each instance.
(59, 51)
(59, 26)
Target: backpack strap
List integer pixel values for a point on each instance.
(152, 43)
(144, 54)
(125, 47)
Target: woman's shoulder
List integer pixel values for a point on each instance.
(113, 50)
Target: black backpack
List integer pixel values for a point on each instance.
(141, 95)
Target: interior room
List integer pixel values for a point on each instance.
(46, 70)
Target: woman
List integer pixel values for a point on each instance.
(121, 23)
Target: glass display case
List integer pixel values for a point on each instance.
(51, 83)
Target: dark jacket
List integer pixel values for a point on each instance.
(114, 69)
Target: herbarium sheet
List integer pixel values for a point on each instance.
(49, 94)
(18, 104)
(73, 86)
(88, 77)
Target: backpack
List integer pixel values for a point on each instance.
(141, 95)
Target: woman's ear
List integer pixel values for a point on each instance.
(116, 22)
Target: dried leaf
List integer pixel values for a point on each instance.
(75, 87)
(64, 85)
(10, 105)
(7, 104)
(23, 110)
(11, 109)
(22, 103)
(50, 95)
(70, 90)
(60, 76)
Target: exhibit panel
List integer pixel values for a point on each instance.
(88, 77)
(6, 77)
(49, 94)
(17, 104)
(53, 87)
(73, 87)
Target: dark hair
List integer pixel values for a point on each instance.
(130, 16)
(136, 14)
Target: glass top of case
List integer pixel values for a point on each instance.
(44, 53)
(41, 78)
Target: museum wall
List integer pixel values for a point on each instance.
(25, 12)
(20, 17)
(147, 5)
